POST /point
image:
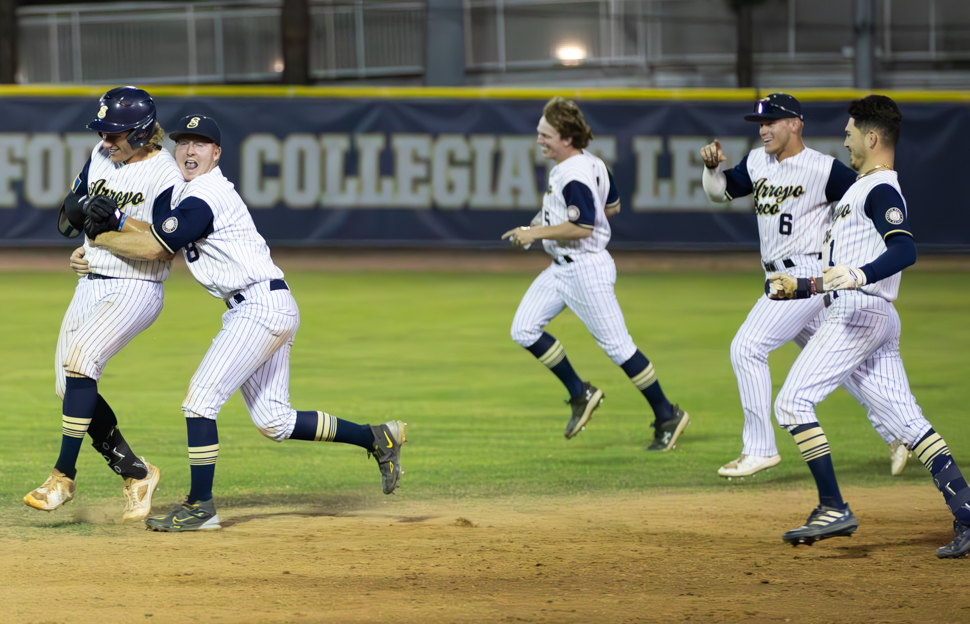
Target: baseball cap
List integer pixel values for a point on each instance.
(199, 125)
(775, 106)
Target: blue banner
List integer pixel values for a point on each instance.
(460, 172)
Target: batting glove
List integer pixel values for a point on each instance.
(780, 286)
(841, 277)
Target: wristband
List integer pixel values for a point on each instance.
(122, 222)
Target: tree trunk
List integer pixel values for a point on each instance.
(745, 54)
(8, 41)
(295, 20)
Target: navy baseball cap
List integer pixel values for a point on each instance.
(199, 125)
(776, 106)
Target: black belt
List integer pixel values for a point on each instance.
(276, 284)
(566, 258)
(829, 298)
(787, 263)
(93, 276)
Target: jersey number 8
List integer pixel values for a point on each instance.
(191, 253)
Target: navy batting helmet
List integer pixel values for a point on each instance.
(126, 108)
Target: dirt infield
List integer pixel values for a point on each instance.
(491, 260)
(657, 558)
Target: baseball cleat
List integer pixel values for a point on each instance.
(960, 545)
(197, 516)
(823, 523)
(898, 454)
(138, 494)
(388, 439)
(583, 407)
(665, 434)
(747, 465)
(56, 491)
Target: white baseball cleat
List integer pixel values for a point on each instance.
(138, 494)
(747, 465)
(898, 454)
(56, 491)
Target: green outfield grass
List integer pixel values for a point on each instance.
(485, 418)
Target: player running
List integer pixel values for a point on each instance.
(116, 298)
(210, 223)
(794, 189)
(866, 247)
(574, 230)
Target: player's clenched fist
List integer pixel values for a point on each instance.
(780, 286)
(712, 155)
(841, 277)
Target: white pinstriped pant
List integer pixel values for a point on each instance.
(251, 352)
(858, 341)
(769, 325)
(585, 286)
(104, 316)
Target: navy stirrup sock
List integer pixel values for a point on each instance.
(814, 447)
(551, 353)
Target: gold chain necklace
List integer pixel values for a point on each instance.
(873, 170)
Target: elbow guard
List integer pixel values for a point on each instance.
(70, 220)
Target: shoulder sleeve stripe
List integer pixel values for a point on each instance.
(895, 232)
(160, 241)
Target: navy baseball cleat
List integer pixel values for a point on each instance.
(960, 545)
(388, 439)
(197, 516)
(823, 523)
(665, 434)
(583, 407)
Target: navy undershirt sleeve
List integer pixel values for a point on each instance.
(580, 208)
(738, 180)
(80, 186)
(840, 179)
(900, 253)
(613, 195)
(187, 223)
(885, 207)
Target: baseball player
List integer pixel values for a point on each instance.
(574, 230)
(210, 223)
(794, 188)
(116, 297)
(867, 245)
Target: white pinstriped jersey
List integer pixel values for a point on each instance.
(135, 187)
(853, 240)
(590, 171)
(790, 201)
(234, 255)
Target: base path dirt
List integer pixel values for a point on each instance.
(651, 558)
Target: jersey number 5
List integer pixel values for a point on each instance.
(784, 228)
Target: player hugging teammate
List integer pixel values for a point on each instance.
(794, 189)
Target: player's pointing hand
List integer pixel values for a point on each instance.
(519, 237)
(712, 155)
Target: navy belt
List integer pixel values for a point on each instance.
(830, 297)
(94, 276)
(566, 259)
(276, 284)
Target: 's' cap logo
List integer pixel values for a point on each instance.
(102, 112)
(193, 123)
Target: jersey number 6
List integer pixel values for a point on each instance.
(784, 227)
